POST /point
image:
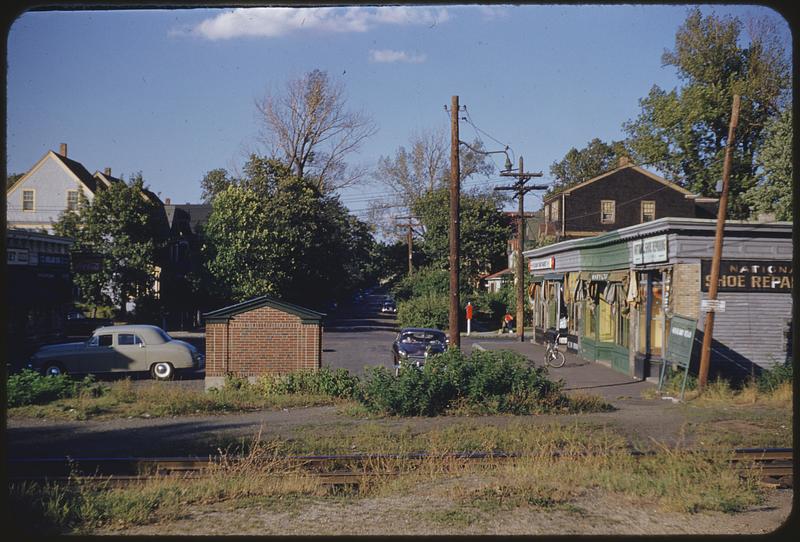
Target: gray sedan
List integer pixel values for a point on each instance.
(114, 349)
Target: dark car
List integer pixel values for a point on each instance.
(79, 325)
(414, 345)
(389, 306)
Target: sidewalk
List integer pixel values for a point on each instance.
(579, 375)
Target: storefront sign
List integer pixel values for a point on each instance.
(57, 260)
(749, 276)
(650, 250)
(681, 339)
(543, 263)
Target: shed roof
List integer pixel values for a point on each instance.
(307, 316)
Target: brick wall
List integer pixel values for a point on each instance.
(685, 290)
(260, 341)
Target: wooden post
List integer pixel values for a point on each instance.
(455, 191)
(708, 330)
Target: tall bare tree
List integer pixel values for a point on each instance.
(310, 128)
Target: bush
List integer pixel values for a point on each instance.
(770, 379)
(424, 311)
(31, 388)
(485, 382)
(338, 383)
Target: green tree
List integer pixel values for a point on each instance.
(13, 178)
(484, 231)
(127, 231)
(773, 193)
(214, 182)
(683, 132)
(581, 165)
(271, 232)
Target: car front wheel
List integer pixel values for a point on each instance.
(54, 369)
(162, 371)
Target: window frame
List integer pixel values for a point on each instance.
(641, 210)
(547, 213)
(613, 213)
(77, 199)
(31, 191)
(556, 212)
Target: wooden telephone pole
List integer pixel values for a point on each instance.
(708, 330)
(519, 265)
(409, 239)
(455, 238)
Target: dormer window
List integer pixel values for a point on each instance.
(28, 200)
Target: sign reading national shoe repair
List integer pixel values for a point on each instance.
(749, 276)
(542, 263)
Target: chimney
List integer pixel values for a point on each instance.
(624, 161)
(63, 150)
(107, 172)
(167, 201)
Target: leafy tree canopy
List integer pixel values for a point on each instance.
(683, 132)
(581, 165)
(484, 231)
(127, 231)
(274, 233)
(773, 193)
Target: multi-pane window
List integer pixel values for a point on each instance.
(556, 210)
(28, 200)
(607, 211)
(72, 200)
(648, 211)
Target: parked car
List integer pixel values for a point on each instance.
(414, 345)
(79, 325)
(113, 349)
(389, 306)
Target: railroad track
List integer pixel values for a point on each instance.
(775, 465)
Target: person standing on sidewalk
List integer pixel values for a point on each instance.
(507, 322)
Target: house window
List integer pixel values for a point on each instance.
(547, 213)
(555, 210)
(28, 200)
(72, 200)
(607, 211)
(648, 211)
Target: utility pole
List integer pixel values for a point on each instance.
(409, 239)
(519, 265)
(708, 330)
(455, 241)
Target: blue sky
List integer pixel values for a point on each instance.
(172, 93)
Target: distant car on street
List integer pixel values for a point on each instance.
(414, 345)
(119, 349)
(79, 325)
(389, 306)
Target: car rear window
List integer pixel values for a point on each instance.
(128, 339)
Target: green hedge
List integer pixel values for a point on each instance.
(31, 388)
(430, 310)
(338, 383)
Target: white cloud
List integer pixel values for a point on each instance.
(389, 56)
(490, 13)
(280, 21)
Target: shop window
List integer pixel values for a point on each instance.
(28, 200)
(648, 211)
(607, 211)
(547, 213)
(656, 322)
(589, 313)
(556, 210)
(643, 315)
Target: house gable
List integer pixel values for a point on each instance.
(307, 316)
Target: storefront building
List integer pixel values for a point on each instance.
(612, 296)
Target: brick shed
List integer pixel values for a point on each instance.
(259, 336)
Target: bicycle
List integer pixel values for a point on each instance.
(552, 355)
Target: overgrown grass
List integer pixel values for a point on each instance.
(560, 468)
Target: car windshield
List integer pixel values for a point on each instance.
(421, 337)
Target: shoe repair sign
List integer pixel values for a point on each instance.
(749, 276)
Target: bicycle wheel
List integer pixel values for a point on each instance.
(556, 358)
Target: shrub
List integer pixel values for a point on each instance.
(31, 388)
(424, 311)
(338, 383)
(771, 379)
(485, 382)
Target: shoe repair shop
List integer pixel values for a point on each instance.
(612, 296)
